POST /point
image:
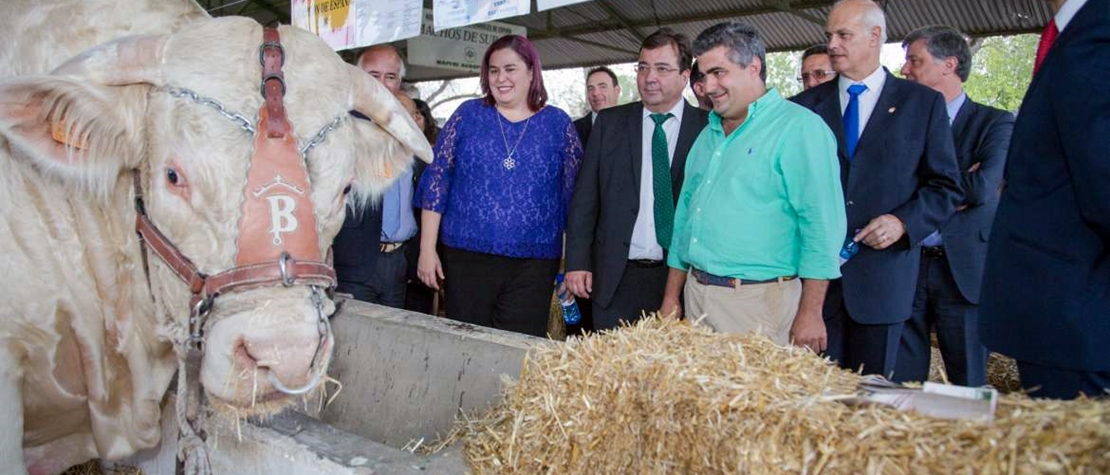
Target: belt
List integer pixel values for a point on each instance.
(705, 278)
(932, 251)
(644, 263)
(388, 247)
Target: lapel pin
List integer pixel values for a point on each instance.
(892, 109)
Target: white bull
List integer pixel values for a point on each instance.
(88, 330)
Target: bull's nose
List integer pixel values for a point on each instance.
(289, 358)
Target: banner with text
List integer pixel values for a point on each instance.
(345, 24)
(457, 13)
(459, 49)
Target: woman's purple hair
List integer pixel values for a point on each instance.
(537, 94)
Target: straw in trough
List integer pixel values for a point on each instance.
(667, 397)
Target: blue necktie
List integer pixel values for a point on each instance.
(851, 118)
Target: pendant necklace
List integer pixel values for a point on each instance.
(509, 162)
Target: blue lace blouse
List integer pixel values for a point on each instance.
(496, 205)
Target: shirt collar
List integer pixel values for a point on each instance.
(593, 117)
(766, 101)
(676, 110)
(954, 106)
(874, 81)
(1067, 12)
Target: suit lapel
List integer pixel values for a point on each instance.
(874, 135)
(688, 132)
(959, 126)
(635, 138)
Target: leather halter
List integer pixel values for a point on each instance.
(277, 242)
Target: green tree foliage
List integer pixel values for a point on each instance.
(1001, 71)
(782, 72)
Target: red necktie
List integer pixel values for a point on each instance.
(1047, 38)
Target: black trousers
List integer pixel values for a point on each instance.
(938, 304)
(855, 346)
(501, 292)
(640, 290)
(386, 285)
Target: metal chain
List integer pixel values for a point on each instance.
(242, 120)
(322, 135)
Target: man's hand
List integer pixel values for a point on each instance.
(881, 232)
(808, 331)
(580, 283)
(671, 308)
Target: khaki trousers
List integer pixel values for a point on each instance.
(766, 309)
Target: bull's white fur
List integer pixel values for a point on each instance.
(85, 344)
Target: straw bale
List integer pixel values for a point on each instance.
(667, 397)
(1002, 373)
(92, 467)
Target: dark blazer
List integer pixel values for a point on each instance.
(607, 195)
(1046, 287)
(356, 246)
(982, 135)
(905, 165)
(583, 126)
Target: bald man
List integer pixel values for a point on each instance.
(900, 178)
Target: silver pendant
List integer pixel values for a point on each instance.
(509, 163)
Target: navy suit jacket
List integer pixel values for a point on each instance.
(607, 194)
(982, 135)
(905, 165)
(1046, 289)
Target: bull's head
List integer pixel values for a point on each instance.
(183, 110)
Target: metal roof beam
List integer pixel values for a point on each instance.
(622, 20)
(598, 27)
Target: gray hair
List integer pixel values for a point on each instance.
(944, 42)
(742, 41)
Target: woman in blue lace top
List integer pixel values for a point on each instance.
(497, 193)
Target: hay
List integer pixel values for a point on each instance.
(667, 397)
(1002, 372)
(92, 467)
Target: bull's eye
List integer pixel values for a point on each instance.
(171, 176)
(347, 189)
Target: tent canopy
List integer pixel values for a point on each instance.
(601, 32)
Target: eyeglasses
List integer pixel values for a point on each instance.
(818, 74)
(659, 70)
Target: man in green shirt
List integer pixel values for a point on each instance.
(762, 206)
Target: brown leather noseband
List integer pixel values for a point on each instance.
(277, 242)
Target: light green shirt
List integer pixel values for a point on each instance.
(766, 200)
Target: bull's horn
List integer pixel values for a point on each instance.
(123, 61)
(376, 102)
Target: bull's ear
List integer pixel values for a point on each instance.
(81, 133)
(83, 122)
(387, 131)
(379, 159)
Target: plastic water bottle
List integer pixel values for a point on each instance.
(850, 248)
(571, 314)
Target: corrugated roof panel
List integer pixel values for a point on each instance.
(602, 38)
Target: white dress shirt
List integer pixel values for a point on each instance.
(1067, 12)
(867, 99)
(644, 244)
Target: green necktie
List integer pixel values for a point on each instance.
(661, 182)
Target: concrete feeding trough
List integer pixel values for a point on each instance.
(405, 377)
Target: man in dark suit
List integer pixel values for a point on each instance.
(952, 257)
(1046, 287)
(602, 91)
(900, 178)
(617, 231)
